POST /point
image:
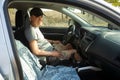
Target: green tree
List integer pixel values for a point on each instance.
(114, 2)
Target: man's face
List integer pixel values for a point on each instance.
(36, 21)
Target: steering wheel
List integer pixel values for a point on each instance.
(68, 37)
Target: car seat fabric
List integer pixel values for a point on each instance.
(29, 62)
(32, 68)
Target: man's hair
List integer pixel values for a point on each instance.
(36, 12)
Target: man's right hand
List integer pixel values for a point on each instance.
(57, 54)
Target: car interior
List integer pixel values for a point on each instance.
(98, 46)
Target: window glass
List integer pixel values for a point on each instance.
(91, 19)
(12, 12)
(54, 19)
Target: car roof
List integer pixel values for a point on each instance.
(48, 3)
(98, 7)
(53, 4)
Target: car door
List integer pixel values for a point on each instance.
(53, 33)
(10, 68)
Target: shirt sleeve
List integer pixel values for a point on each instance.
(30, 34)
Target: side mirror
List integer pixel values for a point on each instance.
(110, 26)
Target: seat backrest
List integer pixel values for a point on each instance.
(19, 18)
(20, 25)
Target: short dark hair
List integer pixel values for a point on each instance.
(36, 12)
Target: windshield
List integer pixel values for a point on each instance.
(88, 17)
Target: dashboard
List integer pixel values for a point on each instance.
(101, 47)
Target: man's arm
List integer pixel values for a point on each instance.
(35, 49)
(54, 41)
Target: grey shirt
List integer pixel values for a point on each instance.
(34, 33)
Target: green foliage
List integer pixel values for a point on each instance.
(114, 2)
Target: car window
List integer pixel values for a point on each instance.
(91, 19)
(12, 12)
(54, 19)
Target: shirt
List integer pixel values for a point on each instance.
(34, 33)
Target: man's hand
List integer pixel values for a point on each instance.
(56, 42)
(56, 54)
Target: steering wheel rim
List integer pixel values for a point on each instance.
(69, 35)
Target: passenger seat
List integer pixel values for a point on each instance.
(20, 24)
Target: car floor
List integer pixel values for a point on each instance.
(93, 75)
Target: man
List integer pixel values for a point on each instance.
(38, 44)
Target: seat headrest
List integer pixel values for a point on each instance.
(19, 18)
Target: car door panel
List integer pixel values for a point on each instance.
(54, 33)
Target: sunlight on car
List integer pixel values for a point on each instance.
(1, 77)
